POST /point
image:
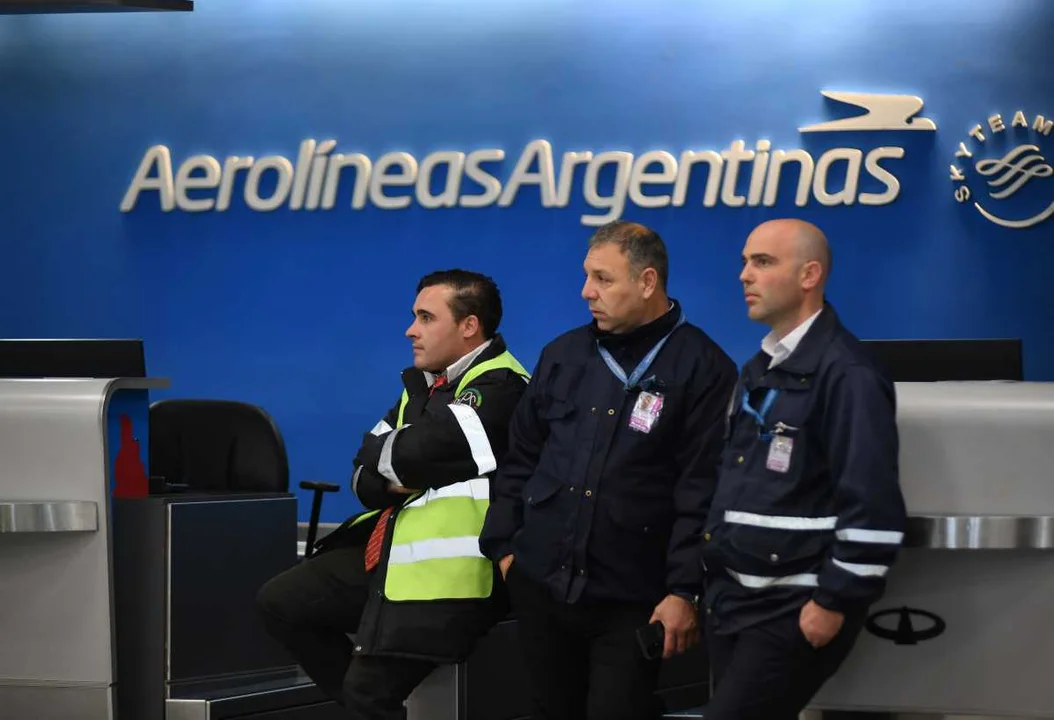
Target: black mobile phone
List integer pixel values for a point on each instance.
(652, 639)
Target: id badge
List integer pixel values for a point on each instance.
(779, 459)
(646, 412)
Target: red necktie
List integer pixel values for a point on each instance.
(373, 545)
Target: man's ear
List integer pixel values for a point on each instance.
(649, 282)
(811, 274)
(469, 326)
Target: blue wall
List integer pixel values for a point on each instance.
(303, 312)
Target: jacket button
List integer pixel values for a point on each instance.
(581, 572)
(774, 557)
(530, 499)
(706, 536)
(593, 410)
(611, 411)
(589, 493)
(739, 459)
(572, 488)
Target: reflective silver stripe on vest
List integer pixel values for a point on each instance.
(878, 537)
(476, 435)
(435, 549)
(380, 428)
(477, 489)
(861, 570)
(780, 522)
(384, 465)
(759, 581)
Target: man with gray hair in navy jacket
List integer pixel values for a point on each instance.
(599, 504)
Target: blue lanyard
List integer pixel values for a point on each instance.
(634, 378)
(766, 405)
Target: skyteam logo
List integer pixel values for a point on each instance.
(742, 174)
(1005, 172)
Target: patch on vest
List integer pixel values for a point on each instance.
(471, 397)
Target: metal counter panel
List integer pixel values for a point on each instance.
(49, 516)
(993, 656)
(977, 448)
(984, 532)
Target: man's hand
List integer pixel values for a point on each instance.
(818, 624)
(369, 452)
(400, 490)
(374, 490)
(504, 564)
(680, 619)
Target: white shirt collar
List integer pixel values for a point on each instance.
(780, 350)
(458, 368)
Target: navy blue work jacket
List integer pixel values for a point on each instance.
(821, 514)
(588, 505)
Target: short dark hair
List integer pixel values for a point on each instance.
(474, 294)
(640, 244)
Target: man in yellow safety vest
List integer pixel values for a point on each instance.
(407, 578)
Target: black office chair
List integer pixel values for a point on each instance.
(223, 446)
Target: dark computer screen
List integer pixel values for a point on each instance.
(937, 360)
(72, 358)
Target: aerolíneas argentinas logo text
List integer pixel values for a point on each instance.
(322, 179)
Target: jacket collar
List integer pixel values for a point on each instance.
(460, 366)
(805, 359)
(783, 348)
(417, 381)
(651, 332)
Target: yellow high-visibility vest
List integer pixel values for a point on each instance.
(434, 553)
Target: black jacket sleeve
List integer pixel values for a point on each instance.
(450, 443)
(527, 435)
(374, 491)
(862, 445)
(698, 456)
(370, 488)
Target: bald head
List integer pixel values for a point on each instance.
(786, 263)
(803, 239)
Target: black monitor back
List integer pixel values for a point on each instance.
(937, 360)
(88, 358)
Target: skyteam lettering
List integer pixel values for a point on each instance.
(1020, 175)
(321, 179)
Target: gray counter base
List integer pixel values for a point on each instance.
(838, 715)
(56, 702)
(279, 695)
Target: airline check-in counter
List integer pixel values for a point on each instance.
(967, 624)
(119, 602)
(58, 655)
(140, 607)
